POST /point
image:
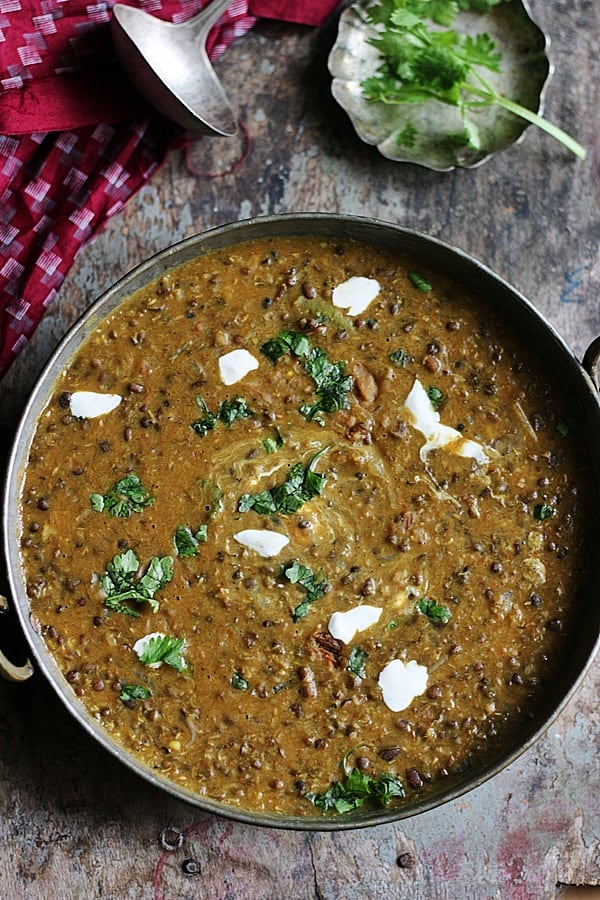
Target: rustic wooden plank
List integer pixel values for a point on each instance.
(74, 823)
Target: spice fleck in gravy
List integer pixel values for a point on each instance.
(303, 525)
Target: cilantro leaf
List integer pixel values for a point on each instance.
(125, 497)
(301, 485)
(435, 612)
(315, 586)
(238, 682)
(356, 662)
(419, 282)
(130, 692)
(419, 63)
(186, 543)
(400, 357)
(436, 397)
(332, 386)
(228, 412)
(542, 511)
(164, 648)
(271, 444)
(121, 585)
(355, 789)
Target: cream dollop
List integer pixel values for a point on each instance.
(344, 625)
(355, 294)
(426, 419)
(264, 542)
(235, 365)
(89, 404)
(401, 682)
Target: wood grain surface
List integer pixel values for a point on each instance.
(74, 823)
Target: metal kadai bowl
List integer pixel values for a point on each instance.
(580, 381)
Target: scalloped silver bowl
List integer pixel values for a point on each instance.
(525, 71)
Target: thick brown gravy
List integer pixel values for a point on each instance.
(458, 523)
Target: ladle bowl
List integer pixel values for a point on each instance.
(169, 65)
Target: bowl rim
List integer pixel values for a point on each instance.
(347, 226)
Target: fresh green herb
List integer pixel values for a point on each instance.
(400, 357)
(435, 612)
(332, 386)
(286, 342)
(164, 648)
(541, 511)
(301, 485)
(130, 692)
(356, 662)
(271, 444)
(238, 682)
(355, 789)
(121, 585)
(564, 426)
(296, 573)
(206, 422)
(420, 63)
(125, 497)
(228, 412)
(436, 397)
(407, 137)
(390, 625)
(419, 282)
(282, 685)
(186, 541)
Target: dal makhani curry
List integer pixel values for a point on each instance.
(302, 526)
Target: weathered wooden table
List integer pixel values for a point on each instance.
(74, 823)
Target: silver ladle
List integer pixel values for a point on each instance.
(169, 65)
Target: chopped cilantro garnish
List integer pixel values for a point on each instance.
(435, 612)
(542, 511)
(207, 422)
(419, 282)
(390, 625)
(131, 692)
(301, 485)
(228, 412)
(238, 682)
(436, 397)
(420, 64)
(356, 662)
(355, 789)
(332, 386)
(400, 357)
(120, 584)
(186, 541)
(164, 648)
(296, 573)
(271, 444)
(125, 497)
(564, 426)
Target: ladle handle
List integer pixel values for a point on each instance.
(208, 15)
(591, 361)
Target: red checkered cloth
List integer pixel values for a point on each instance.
(76, 142)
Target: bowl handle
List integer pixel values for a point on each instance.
(8, 670)
(590, 362)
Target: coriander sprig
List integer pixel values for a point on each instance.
(121, 585)
(420, 63)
